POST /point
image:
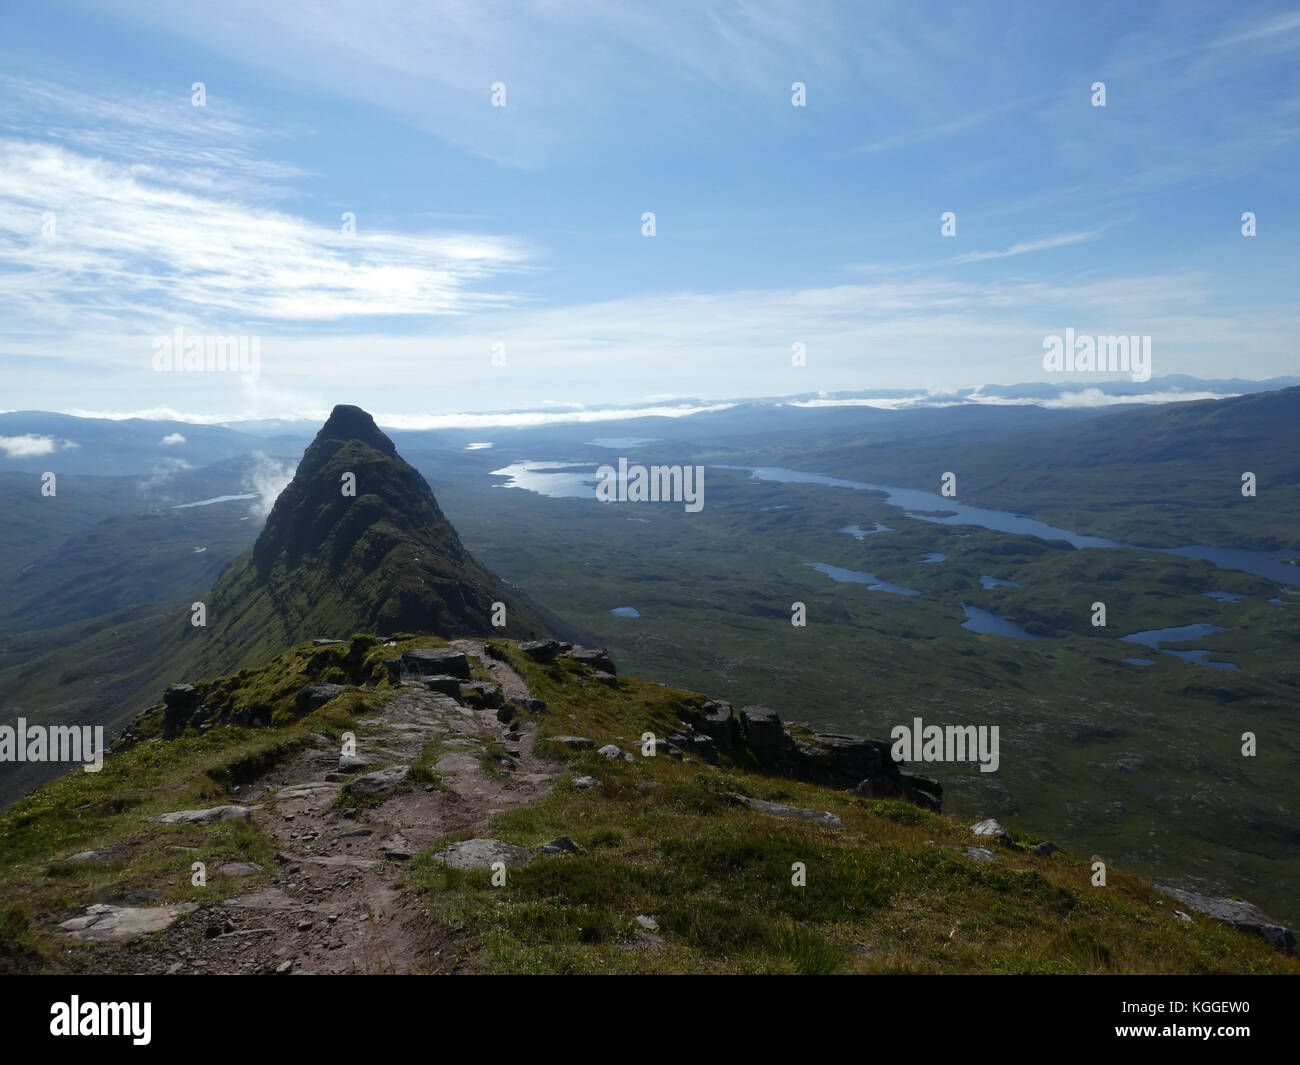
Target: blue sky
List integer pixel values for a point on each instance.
(521, 225)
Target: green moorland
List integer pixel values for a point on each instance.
(1166, 476)
(890, 893)
(107, 810)
(1140, 764)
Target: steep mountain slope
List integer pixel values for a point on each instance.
(355, 543)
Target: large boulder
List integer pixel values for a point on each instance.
(1239, 914)
(179, 703)
(481, 694)
(314, 696)
(433, 661)
(698, 743)
(924, 791)
(444, 683)
(542, 650)
(716, 719)
(763, 734)
(842, 761)
(596, 658)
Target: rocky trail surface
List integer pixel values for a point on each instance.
(426, 766)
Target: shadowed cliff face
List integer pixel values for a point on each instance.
(355, 542)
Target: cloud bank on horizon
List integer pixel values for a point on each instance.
(437, 212)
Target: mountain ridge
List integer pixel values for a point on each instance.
(616, 849)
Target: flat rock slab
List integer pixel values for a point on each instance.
(329, 861)
(456, 763)
(314, 789)
(597, 658)
(380, 780)
(778, 809)
(574, 743)
(90, 856)
(239, 869)
(272, 899)
(206, 817)
(311, 797)
(1239, 914)
(482, 854)
(103, 923)
(979, 854)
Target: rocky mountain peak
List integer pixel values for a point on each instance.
(352, 423)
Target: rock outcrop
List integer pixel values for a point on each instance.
(1239, 914)
(179, 703)
(433, 662)
(834, 759)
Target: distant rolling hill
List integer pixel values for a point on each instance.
(1160, 476)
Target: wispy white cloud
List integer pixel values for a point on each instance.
(942, 130)
(1283, 29)
(889, 334)
(1094, 397)
(31, 445)
(268, 472)
(569, 68)
(1026, 246)
(1066, 399)
(160, 135)
(267, 477)
(157, 486)
(125, 246)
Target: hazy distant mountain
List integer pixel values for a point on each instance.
(38, 441)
